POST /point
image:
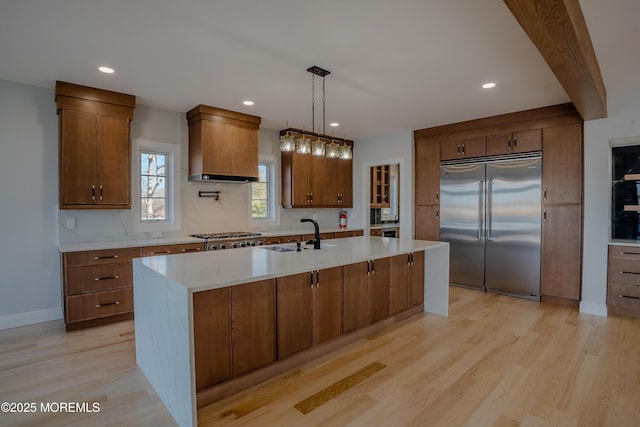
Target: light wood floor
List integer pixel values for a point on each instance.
(495, 361)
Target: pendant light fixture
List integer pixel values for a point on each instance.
(318, 144)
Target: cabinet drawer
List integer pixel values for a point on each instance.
(159, 250)
(190, 247)
(625, 252)
(96, 278)
(99, 304)
(354, 233)
(105, 256)
(624, 271)
(283, 239)
(323, 236)
(622, 295)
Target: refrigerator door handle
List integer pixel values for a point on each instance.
(480, 209)
(489, 209)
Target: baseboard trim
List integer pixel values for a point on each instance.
(595, 309)
(29, 318)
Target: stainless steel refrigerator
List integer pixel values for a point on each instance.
(490, 213)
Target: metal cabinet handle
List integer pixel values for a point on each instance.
(100, 191)
(437, 196)
(629, 272)
(480, 183)
(107, 304)
(190, 250)
(373, 267)
(107, 278)
(93, 192)
(629, 253)
(544, 215)
(437, 212)
(489, 209)
(544, 194)
(311, 279)
(515, 143)
(458, 149)
(317, 278)
(463, 152)
(160, 252)
(105, 257)
(627, 296)
(509, 143)
(368, 267)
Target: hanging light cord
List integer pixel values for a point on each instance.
(313, 103)
(324, 129)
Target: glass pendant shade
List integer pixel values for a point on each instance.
(287, 142)
(303, 145)
(332, 150)
(317, 147)
(345, 152)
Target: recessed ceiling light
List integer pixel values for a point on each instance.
(334, 124)
(488, 85)
(107, 70)
(247, 102)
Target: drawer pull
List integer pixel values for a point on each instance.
(160, 252)
(105, 257)
(629, 253)
(107, 278)
(627, 296)
(628, 272)
(190, 250)
(107, 304)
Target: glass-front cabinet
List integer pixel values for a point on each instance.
(625, 192)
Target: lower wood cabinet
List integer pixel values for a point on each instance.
(427, 222)
(416, 278)
(309, 309)
(212, 337)
(623, 277)
(253, 321)
(406, 280)
(356, 296)
(561, 257)
(379, 289)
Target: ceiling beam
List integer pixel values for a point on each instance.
(558, 29)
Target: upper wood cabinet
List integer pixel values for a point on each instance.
(95, 147)
(463, 149)
(427, 174)
(309, 180)
(223, 144)
(562, 164)
(514, 142)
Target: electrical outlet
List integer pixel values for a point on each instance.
(70, 223)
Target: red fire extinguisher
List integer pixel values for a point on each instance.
(343, 219)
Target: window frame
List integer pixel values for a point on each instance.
(272, 195)
(172, 186)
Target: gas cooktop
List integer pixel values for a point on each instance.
(223, 236)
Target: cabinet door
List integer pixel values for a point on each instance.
(562, 164)
(499, 144)
(398, 283)
(473, 147)
(427, 223)
(427, 174)
(211, 337)
(78, 158)
(327, 304)
(300, 170)
(379, 290)
(332, 181)
(561, 251)
(217, 147)
(245, 152)
(526, 141)
(356, 296)
(345, 182)
(253, 330)
(293, 302)
(114, 161)
(317, 180)
(416, 279)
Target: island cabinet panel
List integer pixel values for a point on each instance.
(379, 289)
(416, 279)
(212, 337)
(399, 283)
(356, 296)
(253, 325)
(327, 304)
(293, 301)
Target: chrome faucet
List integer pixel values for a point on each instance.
(316, 240)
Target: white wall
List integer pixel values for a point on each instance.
(393, 148)
(29, 261)
(623, 121)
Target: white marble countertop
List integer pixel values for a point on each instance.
(116, 244)
(217, 269)
(624, 242)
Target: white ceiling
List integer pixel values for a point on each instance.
(407, 64)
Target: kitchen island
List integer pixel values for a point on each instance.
(208, 323)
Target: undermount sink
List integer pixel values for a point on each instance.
(291, 247)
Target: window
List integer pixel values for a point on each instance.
(156, 203)
(263, 207)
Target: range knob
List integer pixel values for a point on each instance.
(234, 245)
(222, 246)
